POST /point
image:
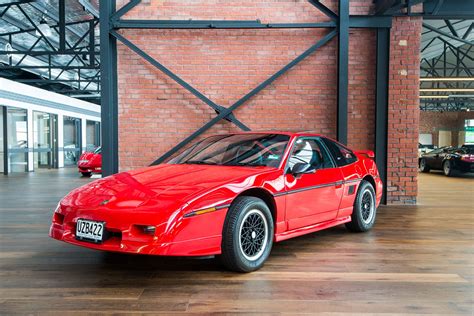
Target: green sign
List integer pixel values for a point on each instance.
(469, 138)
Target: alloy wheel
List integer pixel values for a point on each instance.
(367, 206)
(253, 235)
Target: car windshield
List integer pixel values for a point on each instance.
(98, 150)
(236, 150)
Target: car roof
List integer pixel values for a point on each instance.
(282, 132)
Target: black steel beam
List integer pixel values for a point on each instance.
(451, 28)
(436, 30)
(368, 21)
(123, 10)
(5, 140)
(212, 24)
(342, 71)
(451, 101)
(468, 31)
(381, 105)
(452, 9)
(465, 55)
(62, 25)
(36, 27)
(9, 4)
(383, 6)
(109, 91)
(91, 43)
(177, 79)
(56, 80)
(45, 53)
(321, 7)
(29, 50)
(246, 97)
(56, 27)
(355, 21)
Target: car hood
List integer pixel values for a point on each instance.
(88, 156)
(166, 186)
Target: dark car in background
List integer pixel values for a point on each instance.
(449, 159)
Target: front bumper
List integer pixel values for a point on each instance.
(187, 237)
(90, 169)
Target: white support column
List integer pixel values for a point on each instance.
(30, 140)
(60, 140)
(83, 134)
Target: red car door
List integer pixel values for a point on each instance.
(312, 197)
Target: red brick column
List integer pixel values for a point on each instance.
(404, 113)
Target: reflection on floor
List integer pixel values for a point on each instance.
(418, 259)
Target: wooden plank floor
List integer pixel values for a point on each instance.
(417, 260)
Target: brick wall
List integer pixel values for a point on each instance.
(433, 122)
(404, 113)
(155, 112)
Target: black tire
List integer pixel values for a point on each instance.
(86, 174)
(365, 210)
(448, 168)
(245, 212)
(423, 166)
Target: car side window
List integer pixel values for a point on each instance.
(309, 150)
(341, 154)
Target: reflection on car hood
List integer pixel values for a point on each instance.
(169, 184)
(88, 155)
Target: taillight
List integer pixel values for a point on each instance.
(469, 158)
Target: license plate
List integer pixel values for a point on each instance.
(90, 230)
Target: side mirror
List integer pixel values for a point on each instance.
(301, 168)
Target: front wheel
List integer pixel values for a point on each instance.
(447, 168)
(86, 174)
(247, 237)
(365, 210)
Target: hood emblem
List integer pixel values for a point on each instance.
(104, 202)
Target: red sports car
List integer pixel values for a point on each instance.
(90, 162)
(230, 195)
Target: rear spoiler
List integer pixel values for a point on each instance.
(366, 153)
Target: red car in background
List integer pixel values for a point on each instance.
(229, 195)
(90, 162)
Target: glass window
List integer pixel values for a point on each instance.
(92, 135)
(236, 150)
(17, 133)
(72, 140)
(342, 155)
(309, 150)
(42, 140)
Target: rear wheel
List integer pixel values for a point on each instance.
(365, 210)
(447, 168)
(86, 174)
(423, 166)
(247, 236)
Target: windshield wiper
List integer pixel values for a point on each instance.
(199, 162)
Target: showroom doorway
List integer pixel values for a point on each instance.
(45, 150)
